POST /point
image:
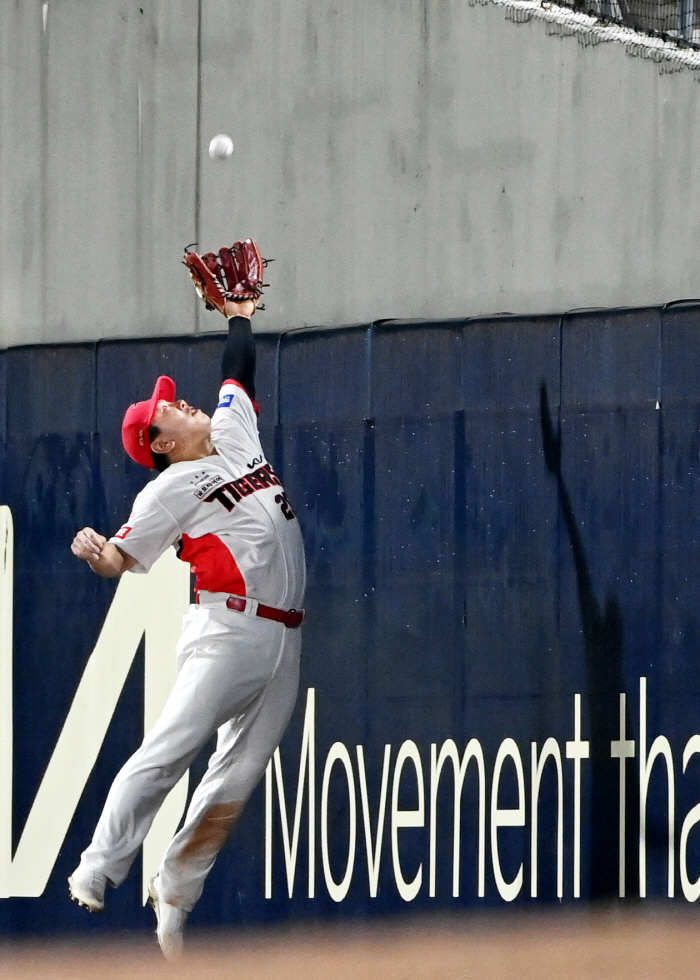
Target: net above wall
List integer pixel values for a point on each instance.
(678, 20)
(664, 32)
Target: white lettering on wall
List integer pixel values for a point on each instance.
(577, 750)
(373, 849)
(550, 750)
(374, 810)
(307, 763)
(659, 747)
(459, 770)
(509, 817)
(406, 818)
(622, 748)
(338, 753)
(152, 606)
(691, 889)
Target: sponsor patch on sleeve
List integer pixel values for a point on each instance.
(226, 400)
(122, 532)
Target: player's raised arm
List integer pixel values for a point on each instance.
(238, 358)
(231, 281)
(103, 557)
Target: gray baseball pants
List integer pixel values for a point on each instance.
(237, 676)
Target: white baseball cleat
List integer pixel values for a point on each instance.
(87, 888)
(170, 923)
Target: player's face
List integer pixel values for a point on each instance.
(182, 423)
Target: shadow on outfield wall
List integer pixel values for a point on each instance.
(603, 643)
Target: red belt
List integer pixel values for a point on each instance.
(290, 617)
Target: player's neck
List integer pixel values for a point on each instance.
(199, 450)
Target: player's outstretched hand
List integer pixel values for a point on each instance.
(88, 544)
(244, 307)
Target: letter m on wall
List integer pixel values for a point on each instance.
(152, 605)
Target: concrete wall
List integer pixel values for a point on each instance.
(423, 158)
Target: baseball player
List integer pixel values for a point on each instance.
(217, 500)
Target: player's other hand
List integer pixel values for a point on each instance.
(245, 307)
(88, 544)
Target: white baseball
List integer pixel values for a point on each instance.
(221, 147)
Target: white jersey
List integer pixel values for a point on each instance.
(227, 515)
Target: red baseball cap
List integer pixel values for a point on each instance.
(137, 419)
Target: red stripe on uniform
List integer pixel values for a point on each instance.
(214, 566)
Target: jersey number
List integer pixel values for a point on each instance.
(281, 499)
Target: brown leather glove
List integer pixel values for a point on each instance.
(234, 273)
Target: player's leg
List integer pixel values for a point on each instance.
(201, 700)
(245, 745)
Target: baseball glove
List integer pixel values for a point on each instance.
(234, 273)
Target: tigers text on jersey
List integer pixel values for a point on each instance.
(227, 514)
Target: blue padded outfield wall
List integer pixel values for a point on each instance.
(502, 525)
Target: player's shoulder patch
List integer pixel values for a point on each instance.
(225, 400)
(228, 392)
